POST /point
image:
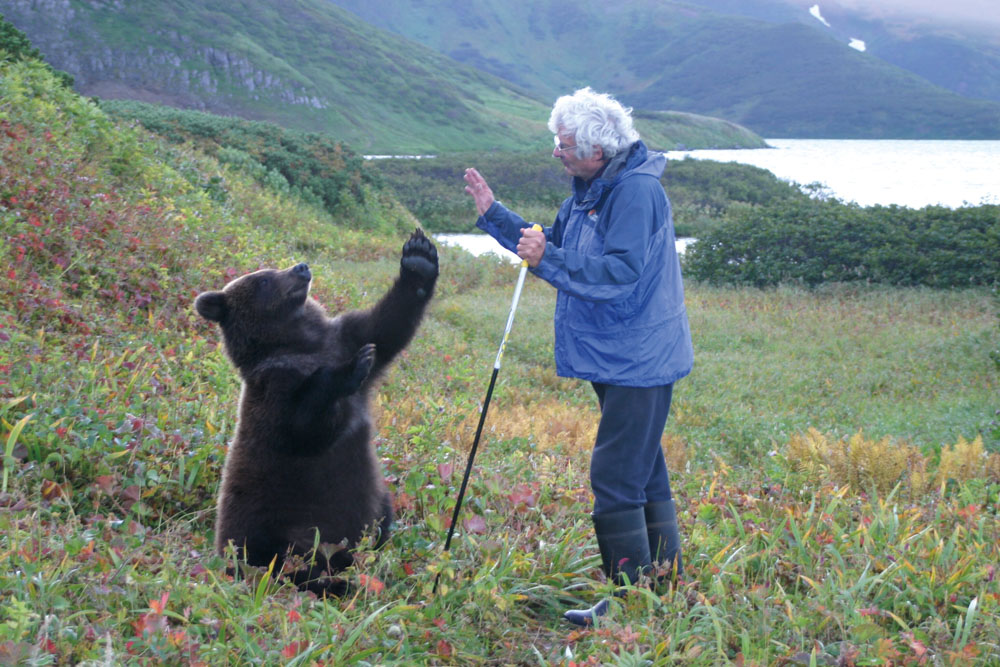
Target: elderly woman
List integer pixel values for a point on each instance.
(620, 320)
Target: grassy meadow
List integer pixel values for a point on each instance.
(834, 453)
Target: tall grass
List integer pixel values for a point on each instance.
(117, 404)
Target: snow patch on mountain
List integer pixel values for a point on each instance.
(814, 10)
(855, 43)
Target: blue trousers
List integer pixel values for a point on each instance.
(627, 469)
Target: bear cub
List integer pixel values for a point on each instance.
(302, 459)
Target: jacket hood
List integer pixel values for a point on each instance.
(637, 159)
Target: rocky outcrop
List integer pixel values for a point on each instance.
(162, 66)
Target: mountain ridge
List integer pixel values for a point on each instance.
(339, 75)
(488, 72)
(548, 55)
(957, 53)
(308, 65)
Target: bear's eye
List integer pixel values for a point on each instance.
(263, 283)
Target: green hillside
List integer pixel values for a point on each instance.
(310, 66)
(781, 80)
(315, 67)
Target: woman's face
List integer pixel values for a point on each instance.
(565, 150)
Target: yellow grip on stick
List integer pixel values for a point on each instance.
(537, 227)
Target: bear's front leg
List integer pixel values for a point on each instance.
(328, 383)
(313, 400)
(391, 323)
(354, 374)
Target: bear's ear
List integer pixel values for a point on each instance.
(212, 306)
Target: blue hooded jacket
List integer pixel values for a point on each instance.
(620, 317)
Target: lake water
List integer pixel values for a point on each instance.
(907, 173)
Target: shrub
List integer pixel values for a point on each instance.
(310, 166)
(813, 242)
(861, 463)
(995, 354)
(15, 46)
(714, 186)
(880, 465)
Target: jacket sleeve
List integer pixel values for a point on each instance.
(502, 224)
(505, 226)
(635, 212)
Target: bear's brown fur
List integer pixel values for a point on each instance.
(302, 458)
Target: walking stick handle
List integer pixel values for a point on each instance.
(537, 227)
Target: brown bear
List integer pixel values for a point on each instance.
(302, 460)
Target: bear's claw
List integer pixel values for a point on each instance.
(363, 363)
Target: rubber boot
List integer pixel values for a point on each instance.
(664, 537)
(624, 544)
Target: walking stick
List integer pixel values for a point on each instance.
(486, 405)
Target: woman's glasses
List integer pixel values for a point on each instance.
(560, 148)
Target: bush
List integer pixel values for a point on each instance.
(433, 189)
(15, 47)
(995, 354)
(813, 242)
(313, 167)
(882, 465)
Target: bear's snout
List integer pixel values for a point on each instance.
(302, 271)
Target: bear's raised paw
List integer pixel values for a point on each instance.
(419, 263)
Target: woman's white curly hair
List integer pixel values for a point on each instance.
(594, 119)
